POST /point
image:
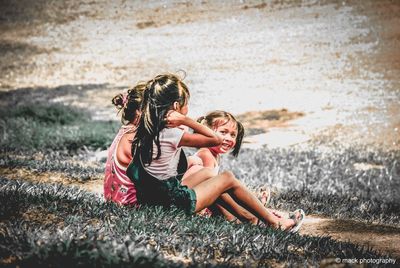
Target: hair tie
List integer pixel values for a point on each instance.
(124, 99)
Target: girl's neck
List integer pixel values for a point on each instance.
(214, 153)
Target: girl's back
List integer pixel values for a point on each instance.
(117, 186)
(165, 166)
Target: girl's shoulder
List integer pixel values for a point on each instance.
(127, 129)
(172, 135)
(203, 151)
(205, 155)
(174, 131)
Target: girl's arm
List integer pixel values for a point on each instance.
(206, 157)
(203, 136)
(194, 160)
(202, 159)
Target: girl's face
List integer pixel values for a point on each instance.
(184, 109)
(229, 133)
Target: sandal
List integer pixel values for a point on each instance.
(298, 220)
(263, 192)
(292, 214)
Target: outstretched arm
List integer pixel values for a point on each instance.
(203, 136)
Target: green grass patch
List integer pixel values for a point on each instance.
(326, 182)
(76, 169)
(75, 228)
(49, 114)
(43, 127)
(68, 227)
(321, 183)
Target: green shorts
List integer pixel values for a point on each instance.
(152, 191)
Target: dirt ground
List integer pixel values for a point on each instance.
(331, 67)
(336, 62)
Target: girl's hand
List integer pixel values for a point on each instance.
(174, 119)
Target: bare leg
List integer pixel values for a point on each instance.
(210, 189)
(228, 207)
(226, 204)
(225, 212)
(196, 175)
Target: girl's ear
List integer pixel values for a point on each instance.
(176, 106)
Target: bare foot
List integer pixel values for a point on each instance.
(277, 213)
(206, 212)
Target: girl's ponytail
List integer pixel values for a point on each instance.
(159, 96)
(239, 138)
(201, 120)
(118, 101)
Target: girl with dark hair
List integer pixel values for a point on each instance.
(159, 163)
(117, 186)
(232, 132)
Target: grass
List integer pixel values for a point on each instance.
(34, 127)
(53, 225)
(328, 183)
(75, 168)
(68, 227)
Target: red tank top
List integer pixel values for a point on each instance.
(117, 186)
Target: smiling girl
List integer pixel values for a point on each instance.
(231, 131)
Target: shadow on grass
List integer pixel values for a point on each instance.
(34, 95)
(24, 12)
(359, 227)
(382, 238)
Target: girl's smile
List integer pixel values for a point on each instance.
(229, 133)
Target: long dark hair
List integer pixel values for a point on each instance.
(159, 97)
(218, 118)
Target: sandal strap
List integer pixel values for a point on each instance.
(298, 220)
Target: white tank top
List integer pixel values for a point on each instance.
(166, 166)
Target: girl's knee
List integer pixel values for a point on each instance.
(227, 174)
(230, 178)
(209, 172)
